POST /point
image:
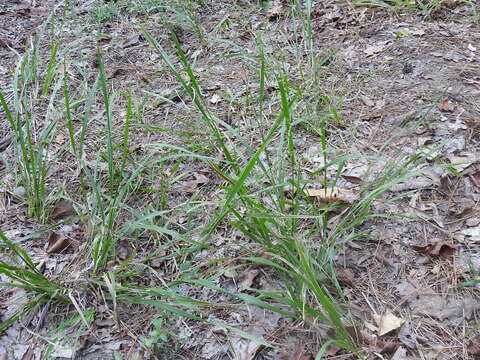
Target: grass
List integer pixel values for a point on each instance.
(123, 196)
(428, 7)
(24, 274)
(276, 226)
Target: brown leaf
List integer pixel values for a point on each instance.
(446, 105)
(352, 179)
(376, 48)
(389, 346)
(57, 242)
(119, 72)
(473, 347)
(124, 250)
(28, 354)
(132, 40)
(192, 185)
(247, 280)
(334, 195)
(475, 178)
(442, 249)
(367, 101)
(63, 209)
(347, 277)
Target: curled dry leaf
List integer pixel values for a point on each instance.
(28, 355)
(334, 195)
(192, 185)
(57, 242)
(387, 322)
(446, 105)
(353, 179)
(442, 249)
(132, 40)
(63, 209)
(247, 281)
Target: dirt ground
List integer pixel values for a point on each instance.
(401, 83)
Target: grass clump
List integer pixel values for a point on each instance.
(104, 12)
(24, 274)
(264, 190)
(33, 91)
(428, 7)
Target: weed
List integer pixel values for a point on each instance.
(146, 6)
(32, 136)
(428, 7)
(104, 12)
(23, 274)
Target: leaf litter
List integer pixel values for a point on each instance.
(374, 47)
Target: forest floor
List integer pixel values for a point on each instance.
(239, 179)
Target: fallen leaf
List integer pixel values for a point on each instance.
(367, 101)
(440, 307)
(124, 250)
(352, 179)
(473, 347)
(192, 185)
(446, 105)
(63, 209)
(246, 349)
(346, 276)
(57, 242)
(389, 346)
(132, 40)
(387, 322)
(28, 354)
(442, 249)
(119, 72)
(375, 49)
(247, 280)
(463, 159)
(334, 195)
